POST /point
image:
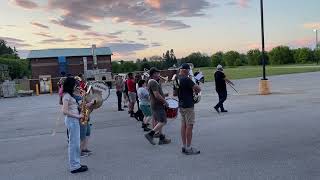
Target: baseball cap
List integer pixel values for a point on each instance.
(153, 70)
(185, 66)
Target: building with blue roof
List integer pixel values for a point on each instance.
(74, 61)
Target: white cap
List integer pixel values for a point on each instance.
(219, 66)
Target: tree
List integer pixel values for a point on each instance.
(169, 58)
(18, 68)
(197, 59)
(230, 57)
(6, 50)
(254, 57)
(281, 55)
(303, 55)
(156, 58)
(217, 59)
(317, 55)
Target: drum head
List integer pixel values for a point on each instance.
(102, 88)
(173, 103)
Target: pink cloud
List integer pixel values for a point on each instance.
(268, 46)
(304, 42)
(243, 3)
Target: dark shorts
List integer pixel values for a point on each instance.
(85, 131)
(159, 115)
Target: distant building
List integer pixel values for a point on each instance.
(74, 61)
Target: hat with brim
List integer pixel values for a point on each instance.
(153, 70)
(185, 66)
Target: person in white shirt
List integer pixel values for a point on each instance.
(144, 104)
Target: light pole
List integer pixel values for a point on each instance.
(264, 83)
(316, 30)
(263, 45)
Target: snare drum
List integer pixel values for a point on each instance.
(172, 110)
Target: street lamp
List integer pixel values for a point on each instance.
(316, 30)
(264, 83)
(263, 45)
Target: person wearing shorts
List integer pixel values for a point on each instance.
(85, 132)
(158, 105)
(144, 104)
(131, 93)
(186, 88)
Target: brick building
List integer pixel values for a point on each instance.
(54, 62)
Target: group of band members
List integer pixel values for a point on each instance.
(78, 133)
(150, 98)
(151, 101)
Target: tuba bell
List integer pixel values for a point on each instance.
(176, 84)
(146, 75)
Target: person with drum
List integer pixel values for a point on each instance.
(158, 106)
(186, 105)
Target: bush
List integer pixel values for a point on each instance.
(18, 68)
(281, 55)
(230, 58)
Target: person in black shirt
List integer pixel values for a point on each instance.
(186, 106)
(221, 88)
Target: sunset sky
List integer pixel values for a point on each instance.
(143, 28)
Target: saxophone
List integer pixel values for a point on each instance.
(93, 96)
(84, 110)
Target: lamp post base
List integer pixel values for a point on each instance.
(264, 87)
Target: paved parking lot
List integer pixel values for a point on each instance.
(262, 137)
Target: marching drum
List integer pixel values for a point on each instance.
(172, 110)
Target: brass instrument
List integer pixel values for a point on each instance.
(146, 75)
(176, 83)
(88, 96)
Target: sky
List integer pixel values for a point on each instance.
(144, 28)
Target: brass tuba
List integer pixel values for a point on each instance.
(176, 84)
(146, 75)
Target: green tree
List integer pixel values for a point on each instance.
(254, 57)
(18, 68)
(169, 58)
(316, 54)
(197, 59)
(217, 59)
(281, 55)
(230, 58)
(303, 55)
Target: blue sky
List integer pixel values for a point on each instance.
(143, 28)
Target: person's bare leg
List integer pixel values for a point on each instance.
(158, 127)
(82, 145)
(183, 134)
(189, 134)
(86, 142)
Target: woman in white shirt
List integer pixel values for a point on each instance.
(72, 117)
